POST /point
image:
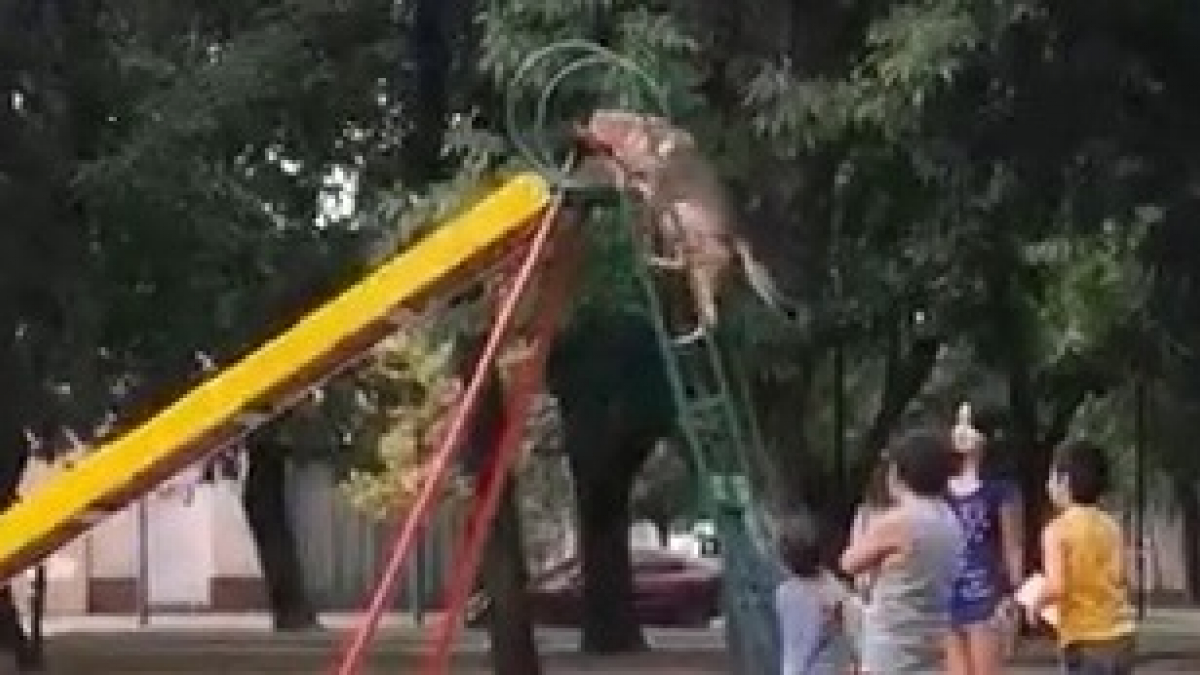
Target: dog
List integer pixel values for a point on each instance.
(686, 208)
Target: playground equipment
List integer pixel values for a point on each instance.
(525, 216)
(225, 408)
(712, 401)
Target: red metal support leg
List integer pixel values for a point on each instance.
(526, 384)
(414, 525)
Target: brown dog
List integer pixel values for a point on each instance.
(686, 207)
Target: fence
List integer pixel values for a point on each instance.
(342, 551)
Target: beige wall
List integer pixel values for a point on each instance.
(99, 570)
(66, 569)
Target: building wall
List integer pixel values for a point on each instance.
(66, 568)
(196, 546)
(200, 555)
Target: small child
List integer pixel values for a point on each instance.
(810, 604)
(1084, 580)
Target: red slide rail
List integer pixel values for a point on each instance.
(525, 385)
(414, 525)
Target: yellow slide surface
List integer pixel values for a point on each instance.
(220, 410)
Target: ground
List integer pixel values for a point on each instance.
(243, 646)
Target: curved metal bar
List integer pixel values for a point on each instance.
(535, 148)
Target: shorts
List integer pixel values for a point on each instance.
(1100, 657)
(967, 614)
(901, 654)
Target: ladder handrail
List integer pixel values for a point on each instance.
(726, 492)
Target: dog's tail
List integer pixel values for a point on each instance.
(762, 283)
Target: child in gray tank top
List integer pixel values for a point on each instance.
(913, 549)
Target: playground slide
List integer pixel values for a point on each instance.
(226, 407)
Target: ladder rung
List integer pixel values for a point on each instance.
(730, 489)
(706, 404)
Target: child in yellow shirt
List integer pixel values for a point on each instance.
(1083, 561)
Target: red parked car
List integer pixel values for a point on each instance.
(670, 589)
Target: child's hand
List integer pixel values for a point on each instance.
(1033, 614)
(1008, 616)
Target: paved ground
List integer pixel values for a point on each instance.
(242, 645)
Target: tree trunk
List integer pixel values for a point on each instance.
(615, 402)
(1011, 325)
(13, 460)
(1189, 511)
(505, 576)
(265, 500)
(662, 527)
(1033, 464)
(13, 639)
(432, 35)
(610, 624)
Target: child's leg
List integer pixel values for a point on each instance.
(1110, 657)
(977, 639)
(958, 652)
(983, 641)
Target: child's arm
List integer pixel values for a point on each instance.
(1054, 563)
(884, 537)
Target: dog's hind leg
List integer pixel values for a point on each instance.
(704, 294)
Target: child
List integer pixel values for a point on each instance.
(914, 550)
(1084, 575)
(809, 604)
(989, 510)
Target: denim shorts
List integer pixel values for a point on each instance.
(1101, 657)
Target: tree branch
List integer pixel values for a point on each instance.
(905, 374)
(1060, 420)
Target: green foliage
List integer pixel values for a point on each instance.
(910, 55)
(997, 167)
(665, 490)
(195, 146)
(1094, 287)
(405, 393)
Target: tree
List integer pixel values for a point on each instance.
(930, 154)
(940, 172)
(615, 403)
(665, 490)
(145, 147)
(409, 388)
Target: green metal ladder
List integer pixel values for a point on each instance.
(719, 428)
